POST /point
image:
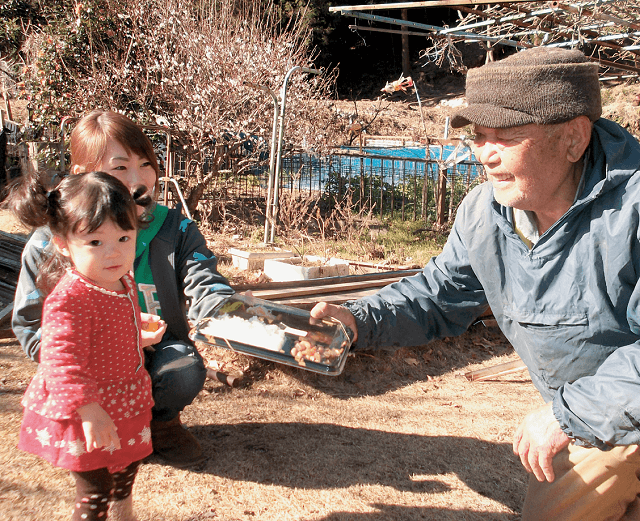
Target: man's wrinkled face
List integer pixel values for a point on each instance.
(527, 165)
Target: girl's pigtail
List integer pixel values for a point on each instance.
(53, 267)
(35, 206)
(54, 263)
(53, 206)
(27, 198)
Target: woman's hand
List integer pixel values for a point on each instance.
(322, 310)
(153, 328)
(99, 429)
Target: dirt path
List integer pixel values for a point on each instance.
(398, 436)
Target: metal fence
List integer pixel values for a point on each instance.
(381, 181)
(398, 183)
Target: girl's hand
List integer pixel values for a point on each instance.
(99, 429)
(153, 328)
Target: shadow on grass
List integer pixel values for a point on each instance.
(326, 456)
(400, 513)
(373, 373)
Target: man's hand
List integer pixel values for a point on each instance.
(537, 440)
(99, 429)
(322, 310)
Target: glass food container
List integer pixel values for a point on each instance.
(276, 332)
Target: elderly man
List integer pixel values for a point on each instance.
(552, 245)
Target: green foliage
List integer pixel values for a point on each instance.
(398, 242)
(411, 241)
(58, 53)
(14, 16)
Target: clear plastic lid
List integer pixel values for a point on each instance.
(276, 332)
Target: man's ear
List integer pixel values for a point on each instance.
(76, 169)
(579, 135)
(61, 246)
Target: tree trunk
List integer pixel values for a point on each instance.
(196, 191)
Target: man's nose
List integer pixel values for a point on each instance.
(487, 154)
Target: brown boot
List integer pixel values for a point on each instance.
(175, 444)
(122, 510)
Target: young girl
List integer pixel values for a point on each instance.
(175, 273)
(88, 407)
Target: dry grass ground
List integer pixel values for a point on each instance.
(400, 435)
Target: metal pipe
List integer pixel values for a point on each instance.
(405, 5)
(177, 187)
(283, 105)
(168, 167)
(268, 221)
(437, 30)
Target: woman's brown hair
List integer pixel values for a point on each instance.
(92, 133)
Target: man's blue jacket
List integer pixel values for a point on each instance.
(569, 306)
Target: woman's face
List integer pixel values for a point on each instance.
(133, 170)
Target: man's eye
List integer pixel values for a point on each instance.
(95, 243)
(124, 238)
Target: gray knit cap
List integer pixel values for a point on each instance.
(543, 85)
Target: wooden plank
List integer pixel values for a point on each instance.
(11, 247)
(13, 238)
(382, 268)
(495, 371)
(307, 302)
(7, 103)
(5, 314)
(7, 333)
(335, 290)
(322, 290)
(326, 281)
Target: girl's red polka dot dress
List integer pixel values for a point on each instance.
(90, 352)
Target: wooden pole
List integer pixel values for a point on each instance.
(495, 371)
(406, 57)
(442, 193)
(429, 3)
(7, 103)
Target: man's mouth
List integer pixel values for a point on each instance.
(500, 178)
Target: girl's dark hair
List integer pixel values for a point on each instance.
(80, 203)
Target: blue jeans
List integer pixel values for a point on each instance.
(177, 375)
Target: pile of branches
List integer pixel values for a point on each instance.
(608, 31)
